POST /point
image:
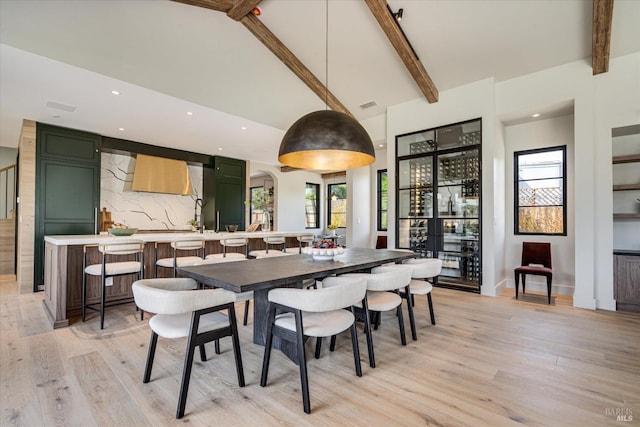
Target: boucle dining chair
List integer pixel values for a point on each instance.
(422, 271)
(182, 311)
(383, 286)
(192, 245)
(312, 313)
(110, 250)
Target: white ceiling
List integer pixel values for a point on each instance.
(168, 58)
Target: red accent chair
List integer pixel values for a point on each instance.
(536, 260)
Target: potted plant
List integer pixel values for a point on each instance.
(194, 224)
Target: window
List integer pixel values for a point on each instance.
(337, 207)
(312, 206)
(540, 191)
(254, 194)
(382, 200)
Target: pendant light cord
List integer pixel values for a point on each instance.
(326, 56)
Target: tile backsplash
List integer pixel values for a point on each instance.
(145, 211)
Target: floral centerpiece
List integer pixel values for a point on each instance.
(323, 250)
(332, 227)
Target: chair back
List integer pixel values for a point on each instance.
(388, 278)
(235, 242)
(177, 296)
(274, 240)
(424, 268)
(121, 247)
(536, 253)
(305, 238)
(381, 242)
(188, 243)
(336, 293)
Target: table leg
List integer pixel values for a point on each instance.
(260, 316)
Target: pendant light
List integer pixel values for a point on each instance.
(326, 140)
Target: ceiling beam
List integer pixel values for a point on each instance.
(219, 5)
(332, 175)
(241, 8)
(391, 28)
(601, 35)
(262, 33)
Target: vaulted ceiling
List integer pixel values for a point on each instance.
(167, 58)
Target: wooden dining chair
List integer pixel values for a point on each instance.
(536, 260)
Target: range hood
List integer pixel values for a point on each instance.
(160, 175)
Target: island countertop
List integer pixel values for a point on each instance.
(90, 239)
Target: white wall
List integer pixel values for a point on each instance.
(289, 195)
(359, 202)
(539, 134)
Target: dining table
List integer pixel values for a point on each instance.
(262, 275)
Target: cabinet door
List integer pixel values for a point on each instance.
(67, 187)
(627, 279)
(224, 193)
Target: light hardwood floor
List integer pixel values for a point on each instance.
(487, 362)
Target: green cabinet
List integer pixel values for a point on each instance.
(67, 187)
(224, 193)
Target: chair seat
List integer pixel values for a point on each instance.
(229, 255)
(271, 254)
(178, 325)
(292, 251)
(420, 287)
(183, 261)
(382, 301)
(527, 269)
(114, 268)
(322, 324)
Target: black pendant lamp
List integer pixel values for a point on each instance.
(326, 140)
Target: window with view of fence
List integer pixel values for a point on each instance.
(540, 191)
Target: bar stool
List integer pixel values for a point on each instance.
(113, 248)
(233, 242)
(193, 244)
(303, 240)
(277, 241)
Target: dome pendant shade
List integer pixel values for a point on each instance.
(326, 140)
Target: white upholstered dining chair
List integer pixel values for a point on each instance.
(183, 311)
(313, 313)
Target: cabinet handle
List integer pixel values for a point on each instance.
(95, 220)
(217, 221)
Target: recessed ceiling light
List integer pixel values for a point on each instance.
(380, 145)
(189, 113)
(243, 128)
(219, 148)
(535, 115)
(120, 128)
(115, 92)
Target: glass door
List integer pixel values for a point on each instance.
(438, 199)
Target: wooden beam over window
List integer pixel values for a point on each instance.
(398, 40)
(601, 35)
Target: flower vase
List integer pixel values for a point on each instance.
(333, 232)
(266, 221)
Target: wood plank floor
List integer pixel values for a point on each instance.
(487, 362)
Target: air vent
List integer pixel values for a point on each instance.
(63, 107)
(368, 105)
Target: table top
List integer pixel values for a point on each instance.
(266, 273)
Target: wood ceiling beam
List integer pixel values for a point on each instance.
(601, 35)
(390, 27)
(332, 175)
(219, 5)
(241, 7)
(262, 33)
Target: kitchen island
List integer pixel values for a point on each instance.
(63, 266)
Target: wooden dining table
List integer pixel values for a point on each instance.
(264, 274)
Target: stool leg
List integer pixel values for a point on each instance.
(102, 298)
(84, 294)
